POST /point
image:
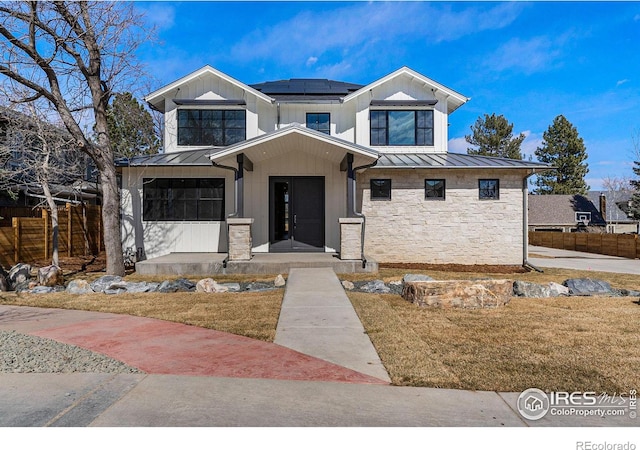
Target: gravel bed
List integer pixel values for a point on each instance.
(21, 353)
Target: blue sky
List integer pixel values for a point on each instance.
(527, 61)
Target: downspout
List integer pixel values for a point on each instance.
(235, 204)
(525, 223)
(359, 214)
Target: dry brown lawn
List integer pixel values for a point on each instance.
(557, 344)
(574, 343)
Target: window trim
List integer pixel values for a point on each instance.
(444, 189)
(416, 128)
(200, 128)
(315, 129)
(171, 199)
(497, 189)
(375, 199)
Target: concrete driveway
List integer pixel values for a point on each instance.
(566, 259)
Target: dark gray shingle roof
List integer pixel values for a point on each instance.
(561, 210)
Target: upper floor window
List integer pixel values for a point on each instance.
(401, 127)
(319, 122)
(211, 127)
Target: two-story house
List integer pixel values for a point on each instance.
(304, 159)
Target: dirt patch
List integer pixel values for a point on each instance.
(72, 265)
(456, 267)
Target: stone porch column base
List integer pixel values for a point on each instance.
(351, 237)
(240, 240)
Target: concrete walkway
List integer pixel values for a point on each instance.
(317, 319)
(567, 259)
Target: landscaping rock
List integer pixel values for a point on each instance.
(231, 287)
(50, 276)
(557, 290)
(179, 285)
(416, 277)
(22, 286)
(587, 287)
(628, 293)
(42, 290)
(4, 284)
(279, 281)
(459, 294)
(105, 282)
(140, 287)
(259, 286)
(348, 285)
(79, 287)
(210, 286)
(533, 290)
(18, 274)
(375, 287)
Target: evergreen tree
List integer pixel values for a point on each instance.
(131, 128)
(493, 136)
(564, 149)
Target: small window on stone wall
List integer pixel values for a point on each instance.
(489, 189)
(434, 189)
(381, 189)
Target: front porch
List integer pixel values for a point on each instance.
(207, 264)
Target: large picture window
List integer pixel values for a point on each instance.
(319, 122)
(211, 127)
(401, 127)
(198, 199)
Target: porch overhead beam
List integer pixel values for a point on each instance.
(240, 185)
(344, 164)
(247, 164)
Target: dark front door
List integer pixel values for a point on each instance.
(296, 214)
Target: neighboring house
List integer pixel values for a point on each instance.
(299, 156)
(610, 208)
(565, 213)
(17, 169)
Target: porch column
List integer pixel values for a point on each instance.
(351, 237)
(240, 186)
(347, 165)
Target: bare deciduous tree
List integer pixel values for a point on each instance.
(618, 189)
(39, 155)
(75, 55)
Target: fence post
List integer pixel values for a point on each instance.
(47, 230)
(69, 231)
(16, 239)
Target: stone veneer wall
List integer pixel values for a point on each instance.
(462, 229)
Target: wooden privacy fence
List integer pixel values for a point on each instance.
(31, 238)
(623, 245)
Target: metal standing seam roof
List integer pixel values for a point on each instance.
(198, 157)
(452, 161)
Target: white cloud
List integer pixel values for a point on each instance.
(621, 82)
(311, 61)
(367, 29)
(159, 15)
(528, 56)
(531, 142)
(458, 145)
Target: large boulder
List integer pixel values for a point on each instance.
(4, 283)
(375, 287)
(132, 287)
(279, 281)
(50, 276)
(459, 293)
(416, 277)
(587, 287)
(19, 274)
(533, 290)
(179, 285)
(105, 283)
(209, 285)
(79, 287)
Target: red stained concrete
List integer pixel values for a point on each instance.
(160, 347)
